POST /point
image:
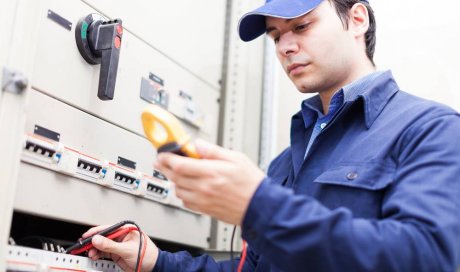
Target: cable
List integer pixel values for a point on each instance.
(243, 253)
(143, 251)
(232, 268)
(243, 257)
(138, 268)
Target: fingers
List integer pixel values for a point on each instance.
(184, 182)
(106, 245)
(199, 198)
(186, 195)
(211, 151)
(214, 158)
(95, 255)
(171, 163)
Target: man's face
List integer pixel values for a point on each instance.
(315, 50)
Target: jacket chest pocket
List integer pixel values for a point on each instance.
(359, 187)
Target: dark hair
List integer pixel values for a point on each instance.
(342, 7)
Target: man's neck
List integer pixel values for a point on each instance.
(326, 96)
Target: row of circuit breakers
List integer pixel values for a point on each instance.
(42, 148)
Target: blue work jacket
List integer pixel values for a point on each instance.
(378, 190)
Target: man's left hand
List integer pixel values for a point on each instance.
(220, 184)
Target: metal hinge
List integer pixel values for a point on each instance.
(13, 81)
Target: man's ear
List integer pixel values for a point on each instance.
(359, 20)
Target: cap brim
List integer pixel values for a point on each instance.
(252, 24)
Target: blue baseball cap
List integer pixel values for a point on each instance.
(252, 24)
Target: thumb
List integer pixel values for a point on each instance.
(211, 151)
(106, 245)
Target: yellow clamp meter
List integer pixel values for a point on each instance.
(166, 133)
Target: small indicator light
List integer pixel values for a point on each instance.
(119, 30)
(117, 42)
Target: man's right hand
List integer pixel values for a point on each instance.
(123, 251)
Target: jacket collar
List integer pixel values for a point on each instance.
(375, 90)
(377, 95)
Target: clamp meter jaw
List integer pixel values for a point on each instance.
(166, 133)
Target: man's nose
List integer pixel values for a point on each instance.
(287, 44)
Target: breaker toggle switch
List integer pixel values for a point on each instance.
(99, 42)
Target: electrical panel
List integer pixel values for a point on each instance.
(76, 76)
(83, 156)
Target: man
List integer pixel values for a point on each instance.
(369, 183)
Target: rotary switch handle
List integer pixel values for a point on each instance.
(99, 42)
(108, 43)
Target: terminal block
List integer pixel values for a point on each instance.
(128, 180)
(92, 169)
(49, 154)
(99, 42)
(41, 151)
(157, 189)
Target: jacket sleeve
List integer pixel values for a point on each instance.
(183, 261)
(419, 229)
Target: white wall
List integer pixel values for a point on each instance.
(418, 40)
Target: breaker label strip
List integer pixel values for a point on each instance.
(59, 20)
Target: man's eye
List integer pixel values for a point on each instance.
(301, 27)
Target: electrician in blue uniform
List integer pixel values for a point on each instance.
(370, 182)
